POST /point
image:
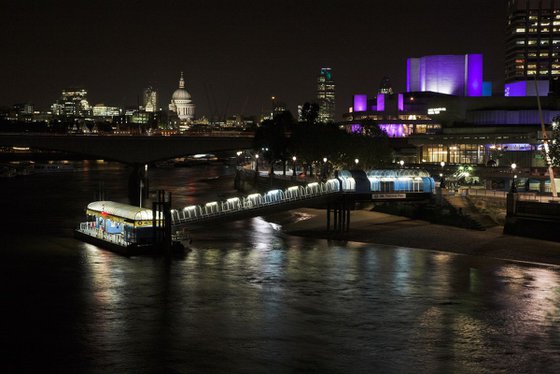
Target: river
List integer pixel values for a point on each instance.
(251, 299)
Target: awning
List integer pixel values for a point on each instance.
(119, 210)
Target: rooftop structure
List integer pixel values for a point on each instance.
(459, 75)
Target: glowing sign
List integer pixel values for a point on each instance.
(436, 110)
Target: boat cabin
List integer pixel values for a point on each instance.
(118, 223)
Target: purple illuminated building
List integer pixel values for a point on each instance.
(360, 103)
(380, 102)
(527, 88)
(459, 75)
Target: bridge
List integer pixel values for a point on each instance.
(131, 149)
(130, 229)
(337, 193)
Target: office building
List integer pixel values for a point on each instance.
(72, 102)
(150, 100)
(326, 95)
(532, 47)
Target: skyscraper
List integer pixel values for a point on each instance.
(533, 41)
(150, 100)
(325, 95)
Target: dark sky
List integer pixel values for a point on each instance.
(237, 52)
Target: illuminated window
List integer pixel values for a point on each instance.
(520, 29)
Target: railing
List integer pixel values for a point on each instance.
(215, 209)
(524, 196)
(85, 228)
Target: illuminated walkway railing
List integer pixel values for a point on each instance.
(194, 213)
(377, 181)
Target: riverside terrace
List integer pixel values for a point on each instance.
(131, 149)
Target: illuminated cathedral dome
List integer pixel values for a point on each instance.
(180, 93)
(181, 102)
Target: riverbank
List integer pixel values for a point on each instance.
(381, 228)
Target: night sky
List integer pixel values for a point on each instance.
(235, 54)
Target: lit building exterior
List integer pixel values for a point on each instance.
(326, 95)
(465, 128)
(72, 102)
(532, 46)
(150, 100)
(431, 128)
(459, 75)
(102, 110)
(181, 102)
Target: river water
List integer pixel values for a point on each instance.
(251, 299)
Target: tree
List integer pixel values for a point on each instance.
(554, 143)
(310, 113)
(271, 138)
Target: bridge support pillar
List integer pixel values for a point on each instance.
(341, 215)
(161, 222)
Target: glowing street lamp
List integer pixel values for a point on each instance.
(294, 169)
(401, 162)
(238, 159)
(257, 163)
(356, 161)
(513, 187)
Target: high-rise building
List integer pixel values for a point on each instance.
(181, 102)
(532, 44)
(72, 102)
(150, 99)
(325, 95)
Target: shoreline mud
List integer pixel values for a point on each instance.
(380, 228)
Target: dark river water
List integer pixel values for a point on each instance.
(251, 299)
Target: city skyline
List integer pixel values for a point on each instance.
(234, 56)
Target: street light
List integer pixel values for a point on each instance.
(513, 187)
(442, 164)
(324, 159)
(257, 163)
(238, 160)
(401, 162)
(356, 161)
(294, 169)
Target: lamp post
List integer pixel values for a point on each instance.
(238, 155)
(513, 187)
(324, 168)
(257, 164)
(356, 161)
(294, 167)
(401, 162)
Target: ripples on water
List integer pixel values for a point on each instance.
(250, 299)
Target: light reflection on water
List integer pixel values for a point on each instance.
(249, 298)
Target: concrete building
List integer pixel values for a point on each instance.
(459, 75)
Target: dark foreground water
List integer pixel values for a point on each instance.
(249, 299)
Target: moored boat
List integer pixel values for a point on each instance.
(122, 228)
